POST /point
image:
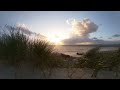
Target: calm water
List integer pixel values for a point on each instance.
(72, 50)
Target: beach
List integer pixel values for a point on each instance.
(60, 73)
(26, 72)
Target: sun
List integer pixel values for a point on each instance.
(56, 38)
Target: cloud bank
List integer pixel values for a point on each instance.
(22, 28)
(25, 29)
(81, 31)
(116, 35)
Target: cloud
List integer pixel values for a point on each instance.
(116, 35)
(110, 38)
(109, 42)
(25, 30)
(75, 40)
(69, 21)
(80, 31)
(84, 27)
(95, 38)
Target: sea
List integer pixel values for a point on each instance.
(73, 49)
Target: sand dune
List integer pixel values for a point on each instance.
(61, 73)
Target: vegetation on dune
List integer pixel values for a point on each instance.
(41, 56)
(13, 47)
(16, 49)
(91, 60)
(97, 60)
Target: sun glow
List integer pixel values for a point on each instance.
(56, 38)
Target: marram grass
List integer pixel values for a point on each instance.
(16, 49)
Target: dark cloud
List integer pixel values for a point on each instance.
(100, 41)
(94, 38)
(73, 41)
(110, 38)
(76, 40)
(116, 35)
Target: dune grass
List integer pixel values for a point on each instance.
(97, 61)
(16, 49)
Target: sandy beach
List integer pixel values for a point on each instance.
(60, 73)
(26, 72)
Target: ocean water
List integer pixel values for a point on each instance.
(73, 49)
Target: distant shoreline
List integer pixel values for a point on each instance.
(70, 50)
(115, 45)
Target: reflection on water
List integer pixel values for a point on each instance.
(72, 50)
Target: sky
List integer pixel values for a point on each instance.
(68, 27)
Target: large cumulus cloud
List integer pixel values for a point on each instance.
(83, 28)
(80, 31)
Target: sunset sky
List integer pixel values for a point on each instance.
(68, 27)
